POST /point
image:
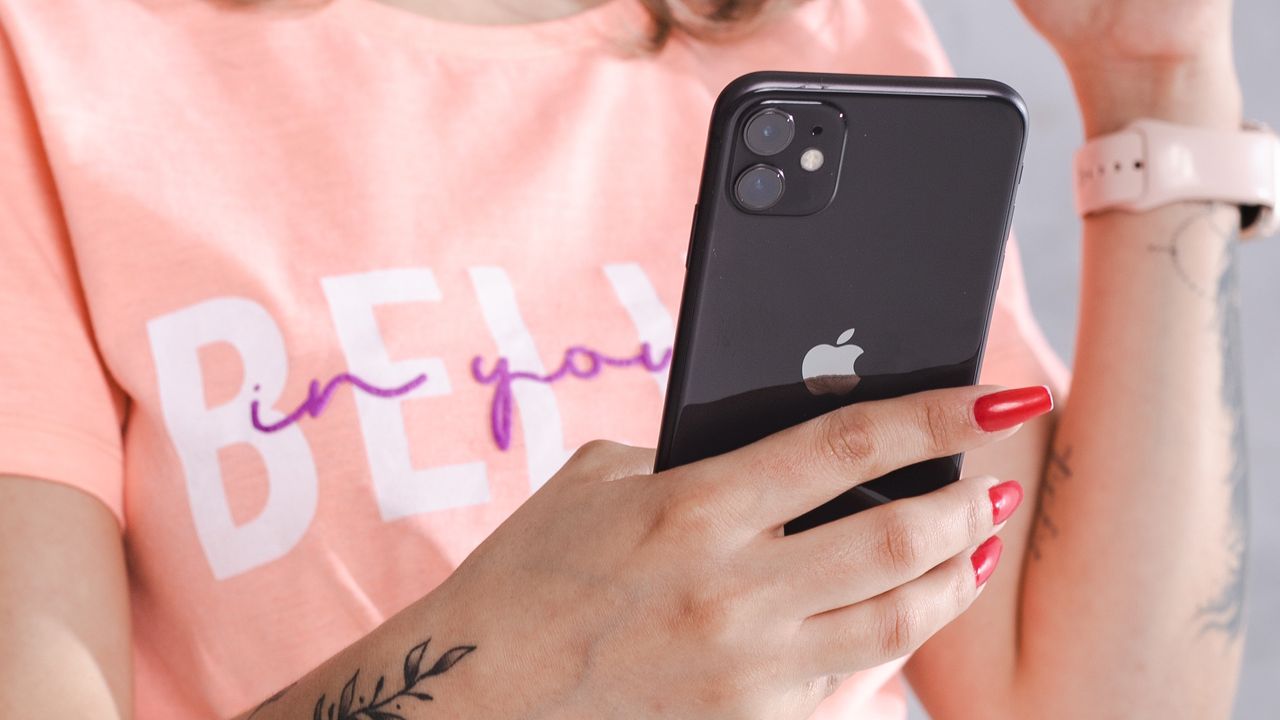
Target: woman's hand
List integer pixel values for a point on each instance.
(1168, 59)
(616, 593)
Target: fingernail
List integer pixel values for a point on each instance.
(1007, 408)
(985, 558)
(1005, 498)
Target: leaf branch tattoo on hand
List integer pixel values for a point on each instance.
(351, 706)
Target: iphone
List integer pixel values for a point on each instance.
(846, 246)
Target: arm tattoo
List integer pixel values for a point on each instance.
(353, 706)
(1225, 611)
(1043, 526)
(1196, 280)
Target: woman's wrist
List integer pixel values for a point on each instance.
(1204, 92)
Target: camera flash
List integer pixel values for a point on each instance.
(811, 159)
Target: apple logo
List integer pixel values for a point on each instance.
(828, 369)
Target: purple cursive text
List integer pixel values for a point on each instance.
(580, 362)
(318, 398)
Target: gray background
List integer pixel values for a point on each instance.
(988, 38)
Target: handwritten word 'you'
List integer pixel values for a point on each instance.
(590, 364)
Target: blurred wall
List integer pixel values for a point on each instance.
(988, 38)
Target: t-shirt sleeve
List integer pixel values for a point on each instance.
(60, 415)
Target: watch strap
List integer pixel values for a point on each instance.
(1153, 163)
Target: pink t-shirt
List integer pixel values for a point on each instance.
(285, 291)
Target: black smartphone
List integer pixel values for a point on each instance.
(846, 246)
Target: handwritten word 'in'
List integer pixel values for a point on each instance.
(318, 398)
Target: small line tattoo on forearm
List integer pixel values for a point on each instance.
(1200, 281)
(1044, 527)
(351, 705)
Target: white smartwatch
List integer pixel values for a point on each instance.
(1152, 163)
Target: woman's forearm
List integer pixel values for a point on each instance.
(418, 660)
(1132, 599)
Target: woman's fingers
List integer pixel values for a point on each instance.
(895, 623)
(863, 555)
(795, 470)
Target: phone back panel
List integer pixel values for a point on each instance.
(907, 255)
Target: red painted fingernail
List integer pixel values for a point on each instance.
(985, 558)
(1005, 498)
(1004, 409)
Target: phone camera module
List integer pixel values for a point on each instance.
(784, 157)
(759, 188)
(769, 132)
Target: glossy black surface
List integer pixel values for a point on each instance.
(907, 253)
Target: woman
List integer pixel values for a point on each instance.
(290, 293)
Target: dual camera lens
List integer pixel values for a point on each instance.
(785, 155)
(767, 133)
(760, 187)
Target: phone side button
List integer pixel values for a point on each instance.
(693, 229)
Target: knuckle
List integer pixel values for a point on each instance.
(900, 629)
(848, 436)
(936, 420)
(830, 684)
(709, 612)
(728, 693)
(901, 542)
(977, 517)
(691, 510)
(594, 449)
(824, 686)
(700, 612)
(963, 588)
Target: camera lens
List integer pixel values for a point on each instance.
(769, 132)
(760, 187)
